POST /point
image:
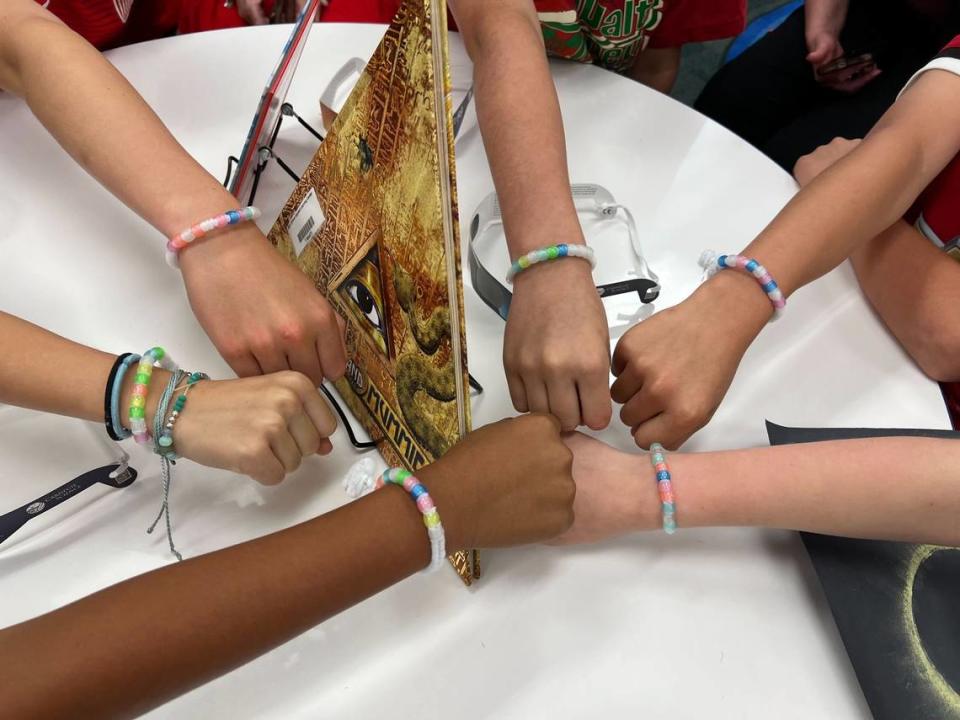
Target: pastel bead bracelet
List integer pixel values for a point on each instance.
(713, 263)
(138, 402)
(425, 504)
(205, 227)
(668, 504)
(553, 252)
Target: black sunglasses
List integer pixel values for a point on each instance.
(117, 475)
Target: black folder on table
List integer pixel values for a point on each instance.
(897, 605)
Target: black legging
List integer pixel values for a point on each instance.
(769, 97)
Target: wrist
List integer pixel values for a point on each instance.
(449, 501)
(737, 301)
(220, 246)
(558, 230)
(558, 275)
(641, 499)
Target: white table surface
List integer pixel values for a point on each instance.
(714, 623)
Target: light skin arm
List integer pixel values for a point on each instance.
(668, 397)
(823, 21)
(261, 313)
(914, 287)
(262, 427)
(133, 646)
(554, 361)
(902, 489)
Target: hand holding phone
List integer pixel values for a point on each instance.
(848, 73)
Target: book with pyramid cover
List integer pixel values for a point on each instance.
(374, 223)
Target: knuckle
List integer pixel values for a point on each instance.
(689, 415)
(286, 402)
(527, 363)
(292, 331)
(297, 381)
(274, 425)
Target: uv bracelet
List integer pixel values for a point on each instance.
(165, 439)
(205, 227)
(431, 518)
(111, 396)
(138, 403)
(668, 504)
(553, 252)
(712, 264)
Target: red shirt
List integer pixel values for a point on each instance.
(612, 32)
(939, 208)
(110, 23)
(940, 203)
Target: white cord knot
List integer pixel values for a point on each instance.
(708, 261)
(360, 478)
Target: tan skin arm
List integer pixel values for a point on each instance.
(133, 646)
(668, 397)
(260, 311)
(657, 68)
(915, 288)
(554, 362)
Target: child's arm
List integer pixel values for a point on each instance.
(258, 309)
(657, 68)
(262, 427)
(556, 345)
(881, 488)
(133, 646)
(915, 288)
(670, 395)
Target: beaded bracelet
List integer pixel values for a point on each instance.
(138, 402)
(712, 264)
(165, 439)
(195, 232)
(431, 518)
(111, 397)
(668, 505)
(553, 252)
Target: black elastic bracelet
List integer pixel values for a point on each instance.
(107, 396)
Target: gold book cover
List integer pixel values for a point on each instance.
(374, 223)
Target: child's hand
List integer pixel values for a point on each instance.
(505, 484)
(262, 427)
(556, 348)
(674, 368)
(616, 492)
(809, 166)
(262, 314)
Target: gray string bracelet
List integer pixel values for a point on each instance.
(166, 457)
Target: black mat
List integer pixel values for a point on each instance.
(897, 606)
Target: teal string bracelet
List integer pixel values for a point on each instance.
(165, 440)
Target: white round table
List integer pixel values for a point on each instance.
(713, 623)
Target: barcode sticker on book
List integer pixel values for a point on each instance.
(306, 222)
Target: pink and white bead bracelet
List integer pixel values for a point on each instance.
(201, 229)
(713, 263)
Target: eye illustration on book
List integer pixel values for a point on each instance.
(363, 291)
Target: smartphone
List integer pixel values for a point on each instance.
(860, 63)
